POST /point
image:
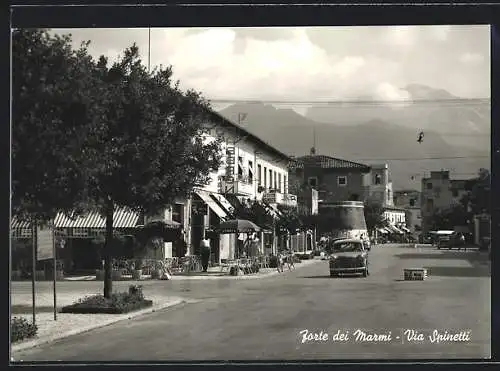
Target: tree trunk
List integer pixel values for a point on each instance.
(108, 266)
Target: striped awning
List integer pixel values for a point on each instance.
(382, 230)
(121, 219)
(394, 229)
(19, 224)
(273, 210)
(20, 228)
(211, 203)
(229, 208)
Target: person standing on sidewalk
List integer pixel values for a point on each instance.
(205, 253)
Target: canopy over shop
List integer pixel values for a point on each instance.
(83, 236)
(240, 227)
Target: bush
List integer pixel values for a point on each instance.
(21, 328)
(122, 302)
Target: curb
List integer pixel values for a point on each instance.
(244, 277)
(122, 317)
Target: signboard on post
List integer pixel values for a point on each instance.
(45, 243)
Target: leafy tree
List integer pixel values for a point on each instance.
(479, 195)
(88, 135)
(55, 103)
(149, 146)
(289, 221)
(374, 215)
(448, 218)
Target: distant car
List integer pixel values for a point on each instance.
(348, 256)
(454, 240)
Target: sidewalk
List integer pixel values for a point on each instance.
(68, 324)
(212, 274)
(215, 274)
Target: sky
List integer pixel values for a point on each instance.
(310, 63)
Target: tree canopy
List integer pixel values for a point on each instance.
(448, 218)
(55, 104)
(88, 135)
(374, 215)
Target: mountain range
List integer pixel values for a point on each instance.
(456, 134)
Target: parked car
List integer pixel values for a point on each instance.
(454, 240)
(348, 256)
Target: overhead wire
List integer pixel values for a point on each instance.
(370, 103)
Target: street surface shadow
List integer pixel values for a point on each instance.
(472, 257)
(328, 276)
(459, 271)
(442, 255)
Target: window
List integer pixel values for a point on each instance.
(280, 185)
(430, 204)
(285, 184)
(388, 195)
(265, 177)
(275, 181)
(454, 192)
(259, 174)
(378, 179)
(270, 178)
(412, 202)
(342, 181)
(429, 185)
(313, 181)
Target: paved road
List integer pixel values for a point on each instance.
(262, 319)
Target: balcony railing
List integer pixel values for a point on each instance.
(238, 186)
(286, 199)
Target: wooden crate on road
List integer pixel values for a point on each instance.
(415, 274)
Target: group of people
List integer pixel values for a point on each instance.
(285, 259)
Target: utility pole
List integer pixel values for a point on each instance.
(149, 49)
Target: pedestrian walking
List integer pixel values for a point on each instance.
(291, 263)
(205, 253)
(280, 262)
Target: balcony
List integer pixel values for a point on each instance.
(240, 187)
(274, 197)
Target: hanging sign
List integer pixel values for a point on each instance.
(45, 243)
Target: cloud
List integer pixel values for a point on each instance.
(471, 58)
(387, 91)
(439, 33)
(403, 36)
(315, 63)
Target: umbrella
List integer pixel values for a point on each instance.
(238, 226)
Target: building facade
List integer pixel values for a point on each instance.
(410, 201)
(439, 192)
(251, 170)
(379, 188)
(335, 179)
(396, 217)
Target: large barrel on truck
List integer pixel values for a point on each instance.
(345, 219)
